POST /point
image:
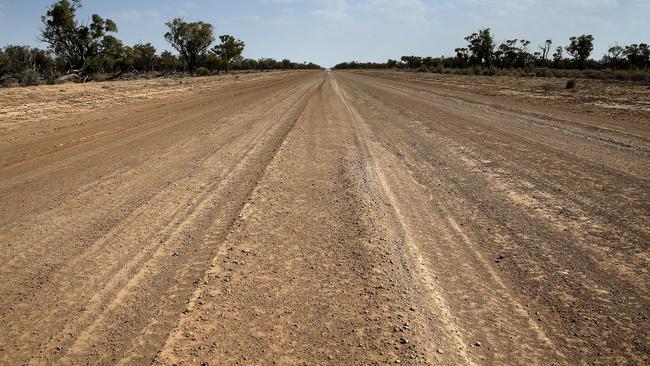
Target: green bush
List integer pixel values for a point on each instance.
(202, 71)
(7, 80)
(51, 79)
(100, 76)
(30, 77)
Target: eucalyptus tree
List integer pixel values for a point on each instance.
(229, 50)
(481, 46)
(72, 42)
(191, 40)
(580, 49)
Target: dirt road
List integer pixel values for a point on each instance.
(326, 218)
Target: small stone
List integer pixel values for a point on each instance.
(477, 344)
(440, 351)
(403, 341)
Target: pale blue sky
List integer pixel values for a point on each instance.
(330, 31)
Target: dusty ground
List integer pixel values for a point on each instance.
(27, 107)
(617, 100)
(322, 218)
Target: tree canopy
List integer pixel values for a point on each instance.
(229, 49)
(482, 56)
(73, 43)
(481, 46)
(580, 48)
(190, 39)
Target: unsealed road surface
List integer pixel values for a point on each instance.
(326, 218)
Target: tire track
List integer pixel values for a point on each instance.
(244, 175)
(570, 292)
(141, 267)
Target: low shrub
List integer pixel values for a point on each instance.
(30, 77)
(594, 74)
(202, 71)
(100, 76)
(490, 71)
(51, 79)
(437, 69)
(571, 84)
(640, 76)
(543, 72)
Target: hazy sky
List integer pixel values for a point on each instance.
(330, 31)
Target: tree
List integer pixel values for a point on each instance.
(429, 62)
(190, 39)
(5, 64)
(110, 58)
(462, 57)
(168, 62)
(287, 64)
(481, 46)
(266, 64)
(229, 49)
(71, 42)
(523, 56)
(19, 58)
(638, 55)
(412, 62)
(42, 62)
(557, 56)
(546, 49)
(144, 57)
(114, 54)
(391, 64)
(506, 54)
(211, 61)
(614, 56)
(580, 49)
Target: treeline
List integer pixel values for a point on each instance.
(482, 56)
(80, 51)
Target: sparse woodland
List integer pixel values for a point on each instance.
(91, 50)
(518, 57)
